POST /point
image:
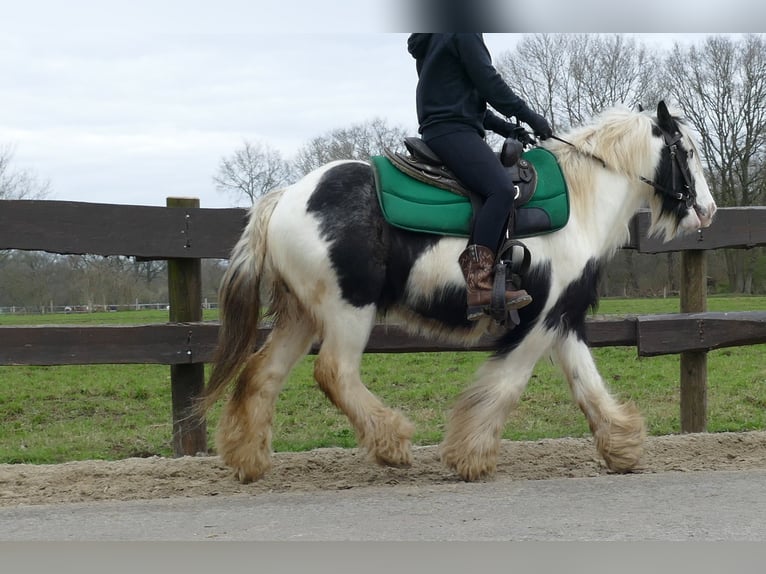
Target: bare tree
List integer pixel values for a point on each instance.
(570, 77)
(360, 141)
(97, 282)
(721, 87)
(149, 271)
(212, 273)
(19, 183)
(536, 70)
(251, 171)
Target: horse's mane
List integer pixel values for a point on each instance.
(618, 135)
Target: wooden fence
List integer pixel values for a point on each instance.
(183, 234)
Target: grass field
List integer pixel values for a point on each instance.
(57, 414)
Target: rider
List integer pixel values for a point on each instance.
(456, 81)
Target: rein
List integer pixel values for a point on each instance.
(671, 142)
(581, 151)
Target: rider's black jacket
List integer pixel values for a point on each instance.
(456, 81)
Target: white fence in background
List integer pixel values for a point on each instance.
(67, 309)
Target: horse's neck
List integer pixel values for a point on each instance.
(606, 214)
(607, 196)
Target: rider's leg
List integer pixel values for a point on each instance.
(474, 163)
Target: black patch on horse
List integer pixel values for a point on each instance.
(447, 306)
(569, 312)
(405, 248)
(371, 259)
(537, 282)
(666, 174)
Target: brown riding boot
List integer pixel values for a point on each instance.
(478, 265)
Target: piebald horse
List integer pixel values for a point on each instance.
(322, 259)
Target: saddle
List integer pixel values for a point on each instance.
(424, 165)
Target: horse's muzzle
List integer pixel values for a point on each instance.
(705, 214)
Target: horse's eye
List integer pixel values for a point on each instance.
(691, 153)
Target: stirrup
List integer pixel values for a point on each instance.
(508, 271)
(476, 312)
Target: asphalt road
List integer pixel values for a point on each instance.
(726, 506)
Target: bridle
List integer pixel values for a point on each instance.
(681, 189)
(686, 194)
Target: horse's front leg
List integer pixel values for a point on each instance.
(472, 441)
(618, 428)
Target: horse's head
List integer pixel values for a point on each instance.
(682, 201)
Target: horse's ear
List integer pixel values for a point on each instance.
(640, 108)
(664, 118)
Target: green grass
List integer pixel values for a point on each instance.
(54, 414)
(57, 414)
(619, 306)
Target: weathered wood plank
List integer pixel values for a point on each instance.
(169, 344)
(733, 227)
(186, 343)
(151, 232)
(675, 333)
(103, 229)
(611, 332)
(164, 344)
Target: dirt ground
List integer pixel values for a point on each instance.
(333, 469)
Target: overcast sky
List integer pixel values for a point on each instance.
(135, 119)
(141, 104)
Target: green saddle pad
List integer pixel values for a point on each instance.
(417, 206)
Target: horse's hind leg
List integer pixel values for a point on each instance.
(244, 432)
(618, 428)
(384, 432)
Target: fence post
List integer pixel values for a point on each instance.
(187, 380)
(693, 363)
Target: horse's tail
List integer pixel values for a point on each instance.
(239, 298)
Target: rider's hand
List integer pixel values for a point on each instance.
(539, 125)
(523, 136)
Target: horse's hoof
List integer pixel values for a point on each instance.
(472, 474)
(621, 442)
(396, 453)
(246, 476)
(470, 471)
(248, 466)
(402, 459)
(392, 445)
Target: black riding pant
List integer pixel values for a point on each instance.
(474, 163)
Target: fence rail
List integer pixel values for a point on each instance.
(183, 233)
(150, 232)
(194, 342)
